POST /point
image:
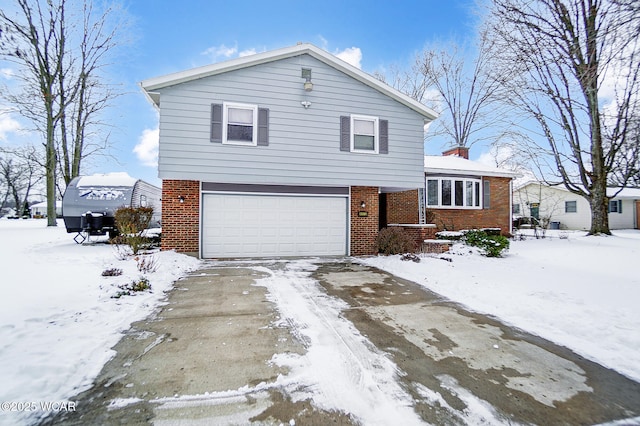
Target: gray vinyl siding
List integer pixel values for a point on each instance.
(304, 144)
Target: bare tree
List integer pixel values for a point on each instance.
(20, 171)
(573, 68)
(455, 81)
(62, 90)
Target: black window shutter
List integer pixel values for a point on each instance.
(486, 194)
(345, 133)
(216, 123)
(619, 206)
(383, 147)
(263, 127)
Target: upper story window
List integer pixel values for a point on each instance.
(240, 124)
(454, 193)
(364, 133)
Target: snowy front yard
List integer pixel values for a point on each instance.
(58, 319)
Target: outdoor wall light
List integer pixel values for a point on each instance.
(305, 104)
(308, 85)
(362, 204)
(181, 199)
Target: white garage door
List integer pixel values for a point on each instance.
(269, 225)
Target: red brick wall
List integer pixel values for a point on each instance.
(181, 221)
(498, 215)
(402, 207)
(364, 230)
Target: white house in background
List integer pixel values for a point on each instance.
(557, 204)
(40, 209)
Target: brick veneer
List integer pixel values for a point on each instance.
(364, 230)
(181, 221)
(401, 205)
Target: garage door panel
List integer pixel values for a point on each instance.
(269, 225)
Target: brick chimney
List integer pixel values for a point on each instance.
(460, 151)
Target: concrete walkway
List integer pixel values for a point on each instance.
(206, 358)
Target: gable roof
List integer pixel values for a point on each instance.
(152, 84)
(455, 165)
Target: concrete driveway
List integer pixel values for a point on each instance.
(238, 343)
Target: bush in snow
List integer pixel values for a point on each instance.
(133, 287)
(395, 240)
(146, 263)
(131, 223)
(112, 272)
(491, 245)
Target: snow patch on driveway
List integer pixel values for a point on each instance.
(341, 369)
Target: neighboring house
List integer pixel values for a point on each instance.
(457, 194)
(282, 153)
(39, 210)
(566, 210)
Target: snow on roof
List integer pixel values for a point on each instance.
(107, 179)
(632, 193)
(44, 204)
(453, 164)
(625, 193)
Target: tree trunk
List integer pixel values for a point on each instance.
(51, 176)
(599, 210)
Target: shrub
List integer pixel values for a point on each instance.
(131, 223)
(133, 287)
(491, 245)
(395, 240)
(147, 264)
(112, 272)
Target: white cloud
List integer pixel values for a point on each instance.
(147, 148)
(222, 51)
(7, 124)
(247, 52)
(351, 55)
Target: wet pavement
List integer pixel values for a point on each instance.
(207, 358)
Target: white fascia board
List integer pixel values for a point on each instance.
(458, 172)
(155, 83)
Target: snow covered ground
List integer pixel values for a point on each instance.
(581, 292)
(58, 320)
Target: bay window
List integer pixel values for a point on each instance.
(453, 192)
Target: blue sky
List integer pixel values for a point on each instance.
(169, 36)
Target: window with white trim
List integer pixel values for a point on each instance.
(453, 193)
(240, 124)
(570, 206)
(364, 134)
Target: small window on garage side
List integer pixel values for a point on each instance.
(570, 206)
(143, 201)
(240, 124)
